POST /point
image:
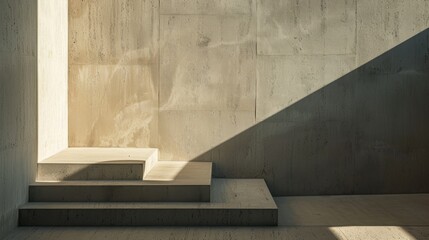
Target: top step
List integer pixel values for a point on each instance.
(98, 164)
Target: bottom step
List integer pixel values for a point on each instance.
(235, 202)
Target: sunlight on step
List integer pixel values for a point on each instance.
(168, 173)
(371, 232)
(198, 172)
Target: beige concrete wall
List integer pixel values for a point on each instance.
(207, 74)
(281, 89)
(52, 73)
(113, 72)
(18, 106)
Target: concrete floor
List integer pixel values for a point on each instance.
(322, 217)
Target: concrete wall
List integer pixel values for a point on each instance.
(52, 77)
(33, 95)
(18, 106)
(282, 89)
(113, 72)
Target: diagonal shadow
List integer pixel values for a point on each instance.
(364, 133)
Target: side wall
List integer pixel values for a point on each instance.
(33, 95)
(18, 106)
(317, 97)
(52, 58)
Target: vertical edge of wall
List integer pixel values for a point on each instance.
(18, 107)
(52, 60)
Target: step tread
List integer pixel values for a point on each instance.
(198, 173)
(162, 173)
(225, 194)
(116, 183)
(101, 156)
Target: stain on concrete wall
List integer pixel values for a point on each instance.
(18, 106)
(286, 90)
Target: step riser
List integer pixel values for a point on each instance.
(71, 172)
(148, 217)
(148, 193)
(97, 164)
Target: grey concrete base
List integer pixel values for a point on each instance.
(98, 164)
(244, 202)
(118, 191)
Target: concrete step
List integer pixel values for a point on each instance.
(168, 181)
(98, 164)
(234, 202)
(180, 172)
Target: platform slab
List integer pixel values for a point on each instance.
(98, 164)
(234, 202)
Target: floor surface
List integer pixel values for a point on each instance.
(322, 217)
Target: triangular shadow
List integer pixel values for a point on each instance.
(367, 132)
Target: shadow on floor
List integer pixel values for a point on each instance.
(356, 210)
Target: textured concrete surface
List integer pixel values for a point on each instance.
(100, 155)
(281, 89)
(18, 106)
(306, 27)
(234, 202)
(69, 178)
(207, 76)
(52, 71)
(207, 62)
(380, 28)
(133, 170)
(112, 105)
(98, 164)
(284, 80)
(180, 172)
(363, 133)
(330, 122)
(113, 77)
(229, 233)
(356, 210)
(119, 191)
(186, 134)
(206, 7)
(328, 217)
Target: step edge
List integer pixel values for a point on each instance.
(29, 207)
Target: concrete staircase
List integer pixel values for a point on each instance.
(130, 187)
